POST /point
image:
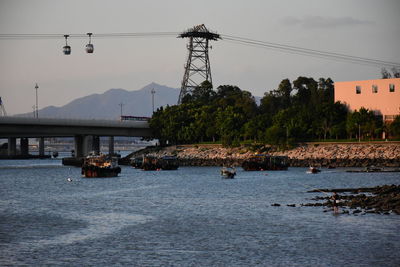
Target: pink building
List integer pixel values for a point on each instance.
(382, 96)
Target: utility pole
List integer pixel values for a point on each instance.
(37, 107)
(2, 108)
(152, 97)
(121, 104)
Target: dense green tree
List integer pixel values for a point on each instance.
(202, 94)
(394, 127)
(304, 110)
(364, 124)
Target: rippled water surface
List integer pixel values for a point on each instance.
(188, 217)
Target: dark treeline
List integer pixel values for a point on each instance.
(299, 111)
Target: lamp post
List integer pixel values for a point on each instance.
(359, 133)
(37, 107)
(152, 97)
(121, 105)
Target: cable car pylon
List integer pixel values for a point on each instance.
(197, 67)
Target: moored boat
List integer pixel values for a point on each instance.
(262, 162)
(95, 166)
(137, 162)
(150, 163)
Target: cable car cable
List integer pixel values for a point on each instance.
(230, 38)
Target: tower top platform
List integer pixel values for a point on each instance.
(200, 31)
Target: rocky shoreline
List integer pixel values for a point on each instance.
(384, 154)
(381, 199)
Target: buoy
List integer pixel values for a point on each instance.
(69, 179)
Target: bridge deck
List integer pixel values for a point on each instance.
(50, 127)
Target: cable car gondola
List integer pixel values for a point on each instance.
(89, 46)
(66, 48)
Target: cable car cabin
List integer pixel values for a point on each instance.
(67, 50)
(89, 48)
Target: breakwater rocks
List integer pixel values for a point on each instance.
(202, 155)
(384, 154)
(381, 199)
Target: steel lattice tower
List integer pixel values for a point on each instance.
(197, 68)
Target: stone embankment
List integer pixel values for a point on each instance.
(345, 155)
(312, 154)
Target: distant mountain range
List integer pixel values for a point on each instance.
(107, 105)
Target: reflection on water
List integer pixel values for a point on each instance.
(188, 217)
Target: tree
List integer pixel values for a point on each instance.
(363, 123)
(327, 89)
(201, 94)
(396, 72)
(385, 74)
(395, 127)
(229, 124)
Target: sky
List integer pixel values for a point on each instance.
(364, 28)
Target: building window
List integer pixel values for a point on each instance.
(358, 89)
(374, 89)
(391, 88)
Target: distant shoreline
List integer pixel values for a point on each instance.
(383, 154)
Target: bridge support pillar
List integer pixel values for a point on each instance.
(84, 144)
(111, 145)
(24, 144)
(96, 144)
(41, 146)
(12, 146)
(79, 146)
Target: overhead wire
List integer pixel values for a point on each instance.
(308, 52)
(229, 38)
(23, 36)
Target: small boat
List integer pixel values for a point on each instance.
(263, 162)
(100, 166)
(228, 173)
(168, 163)
(137, 162)
(313, 170)
(150, 163)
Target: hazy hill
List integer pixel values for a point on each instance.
(106, 105)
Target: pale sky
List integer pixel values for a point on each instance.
(364, 28)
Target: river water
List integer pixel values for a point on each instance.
(188, 217)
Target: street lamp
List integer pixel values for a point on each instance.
(152, 97)
(121, 104)
(37, 107)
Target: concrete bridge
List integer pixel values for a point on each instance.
(85, 132)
